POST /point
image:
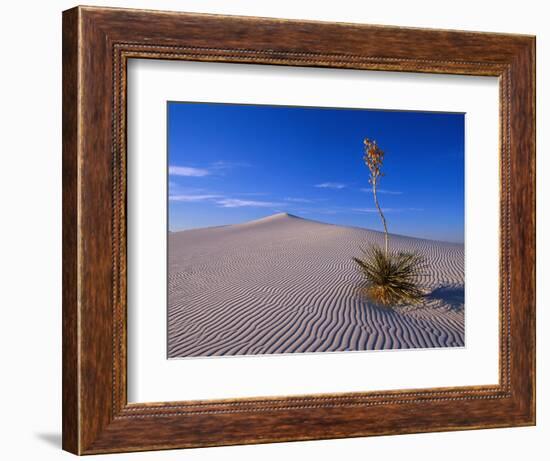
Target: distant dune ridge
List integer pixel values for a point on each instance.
(285, 284)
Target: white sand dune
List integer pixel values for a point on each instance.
(284, 284)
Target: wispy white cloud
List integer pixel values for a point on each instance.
(298, 200)
(237, 203)
(252, 194)
(218, 199)
(193, 197)
(331, 185)
(187, 171)
(223, 165)
(215, 168)
(382, 191)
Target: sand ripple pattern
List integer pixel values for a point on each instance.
(284, 284)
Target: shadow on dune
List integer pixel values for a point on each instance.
(453, 296)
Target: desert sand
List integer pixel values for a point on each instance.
(285, 284)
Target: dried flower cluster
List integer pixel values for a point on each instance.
(374, 158)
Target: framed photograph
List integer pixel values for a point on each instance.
(280, 230)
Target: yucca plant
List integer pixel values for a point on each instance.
(392, 278)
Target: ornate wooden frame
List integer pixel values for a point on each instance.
(97, 43)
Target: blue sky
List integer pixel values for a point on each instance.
(229, 164)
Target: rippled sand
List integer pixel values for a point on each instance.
(284, 284)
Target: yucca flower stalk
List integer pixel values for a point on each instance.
(374, 159)
(393, 277)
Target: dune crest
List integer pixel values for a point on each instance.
(284, 284)
(274, 218)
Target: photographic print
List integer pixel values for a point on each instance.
(313, 229)
(264, 235)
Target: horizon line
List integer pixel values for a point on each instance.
(291, 215)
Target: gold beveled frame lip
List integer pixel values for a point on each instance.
(96, 45)
(122, 52)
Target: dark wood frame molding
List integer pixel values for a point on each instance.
(97, 43)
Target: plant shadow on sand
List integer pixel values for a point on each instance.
(453, 296)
